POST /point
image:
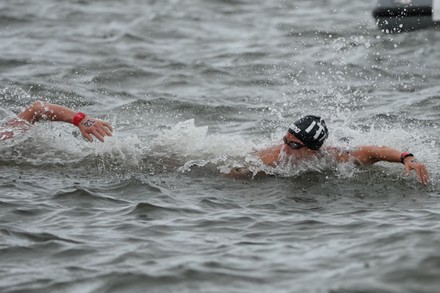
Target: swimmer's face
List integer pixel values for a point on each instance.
(292, 142)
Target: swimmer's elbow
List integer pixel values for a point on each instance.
(37, 107)
(33, 112)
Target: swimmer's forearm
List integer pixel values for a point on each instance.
(40, 110)
(373, 154)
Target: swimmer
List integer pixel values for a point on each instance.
(305, 138)
(88, 126)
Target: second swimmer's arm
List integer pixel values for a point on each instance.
(40, 110)
(52, 112)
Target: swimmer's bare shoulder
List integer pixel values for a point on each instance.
(341, 155)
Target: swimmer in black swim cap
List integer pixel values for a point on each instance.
(304, 140)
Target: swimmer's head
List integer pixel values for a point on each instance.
(310, 130)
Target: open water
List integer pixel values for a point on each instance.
(192, 88)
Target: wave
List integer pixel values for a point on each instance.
(33, 237)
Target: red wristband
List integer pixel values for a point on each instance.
(404, 155)
(78, 117)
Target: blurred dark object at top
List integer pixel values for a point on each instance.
(395, 16)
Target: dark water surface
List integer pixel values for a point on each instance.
(192, 88)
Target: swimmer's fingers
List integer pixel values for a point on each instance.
(107, 127)
(87, 136)
(98, 134)
(422, 174)
(420, 169)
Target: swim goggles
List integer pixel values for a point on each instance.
(293, 145)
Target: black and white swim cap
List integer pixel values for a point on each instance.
(310, 130)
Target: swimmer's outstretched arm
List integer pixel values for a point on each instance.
(367, 155)
(87, 125)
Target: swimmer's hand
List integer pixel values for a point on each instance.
(420, 169)
(90, 127)
(6, 135)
